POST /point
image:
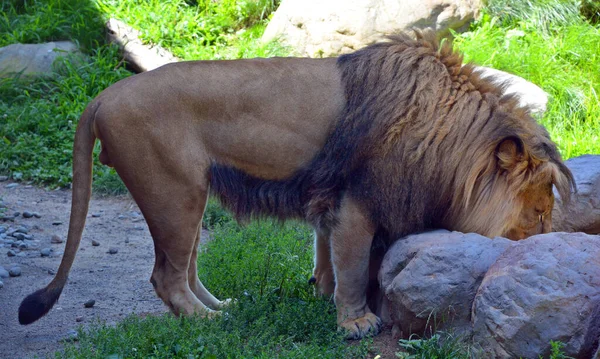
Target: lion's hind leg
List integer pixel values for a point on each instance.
(323, 277)
(174, 219)
(196, 285)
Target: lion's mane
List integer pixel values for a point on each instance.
(415, 146)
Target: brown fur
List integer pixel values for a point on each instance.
(392, 139)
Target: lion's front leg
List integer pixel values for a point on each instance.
(323, 277)
(350, 248)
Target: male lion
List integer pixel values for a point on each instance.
(390, 140)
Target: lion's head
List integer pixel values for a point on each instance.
(442, 147)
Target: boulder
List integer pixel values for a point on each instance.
(542, 289)
(582, 213)
(430, 279)
(529, 94)
(327, 28)
(33, 59)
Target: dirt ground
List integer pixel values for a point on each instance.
(119, 283)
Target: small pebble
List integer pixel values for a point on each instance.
(121, 216)
(3, 273)
(79, 319)
(14, 271)
(37, 215)
(89, 304)
(3, 229)
(56, 239)
(96, 215)
(19, 236)
(23, 245)
(126, 240)
(3, 178)
(51, 272)
(11, 253)
(45, 252)
(71, 336)
(16, 214)
(12, 185)
(22, 229)
(139, 228)
(28, 237)
(27, 214)
(113, 250)
(1, 284)
(95, 243)
(57, 223)
(21, 254)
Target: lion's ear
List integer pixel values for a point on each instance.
(510, 153)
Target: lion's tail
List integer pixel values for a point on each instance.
(251, 197)
(37, 304)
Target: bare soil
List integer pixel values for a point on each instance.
(119, 283)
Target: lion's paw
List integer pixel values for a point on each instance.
(367, 325)
(225, 303)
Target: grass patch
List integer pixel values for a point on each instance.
(266, 267)
(564, 63)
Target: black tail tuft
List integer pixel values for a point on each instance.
(37, 304)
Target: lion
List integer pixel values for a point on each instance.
(395, 138)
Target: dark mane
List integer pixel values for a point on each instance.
(403, 146)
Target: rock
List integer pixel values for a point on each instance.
(16, 214)
(95, 243)
(56, 223)
(529, 94)
(71, 336)
(89, 304)
(3, 273)
(11, 185)
(3, 229)
(28, 237)
(1, 284)
(96, 215)
(582, 214)
(545, 288)
(79, 319)
(37, 215)
(45, 252)
(327, 28)
(33, 59)
(56, 239)
(18, 236)
(3, 178)
(22, 229)
(14, 271)
(430, 279)
(113, 250)
(11, 253)
(121, 216)
(27, 214)
(23, 245)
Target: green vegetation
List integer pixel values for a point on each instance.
(548, 43)
(553, 43)
(266, 267)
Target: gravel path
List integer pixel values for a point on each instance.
(114, 271)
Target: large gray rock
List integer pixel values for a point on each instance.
(582, 214)
(544, 288)
(430, 279)
(32, 59)
(318, 28)
(529, 94)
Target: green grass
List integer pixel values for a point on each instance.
(563, 62)
(265, 267)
